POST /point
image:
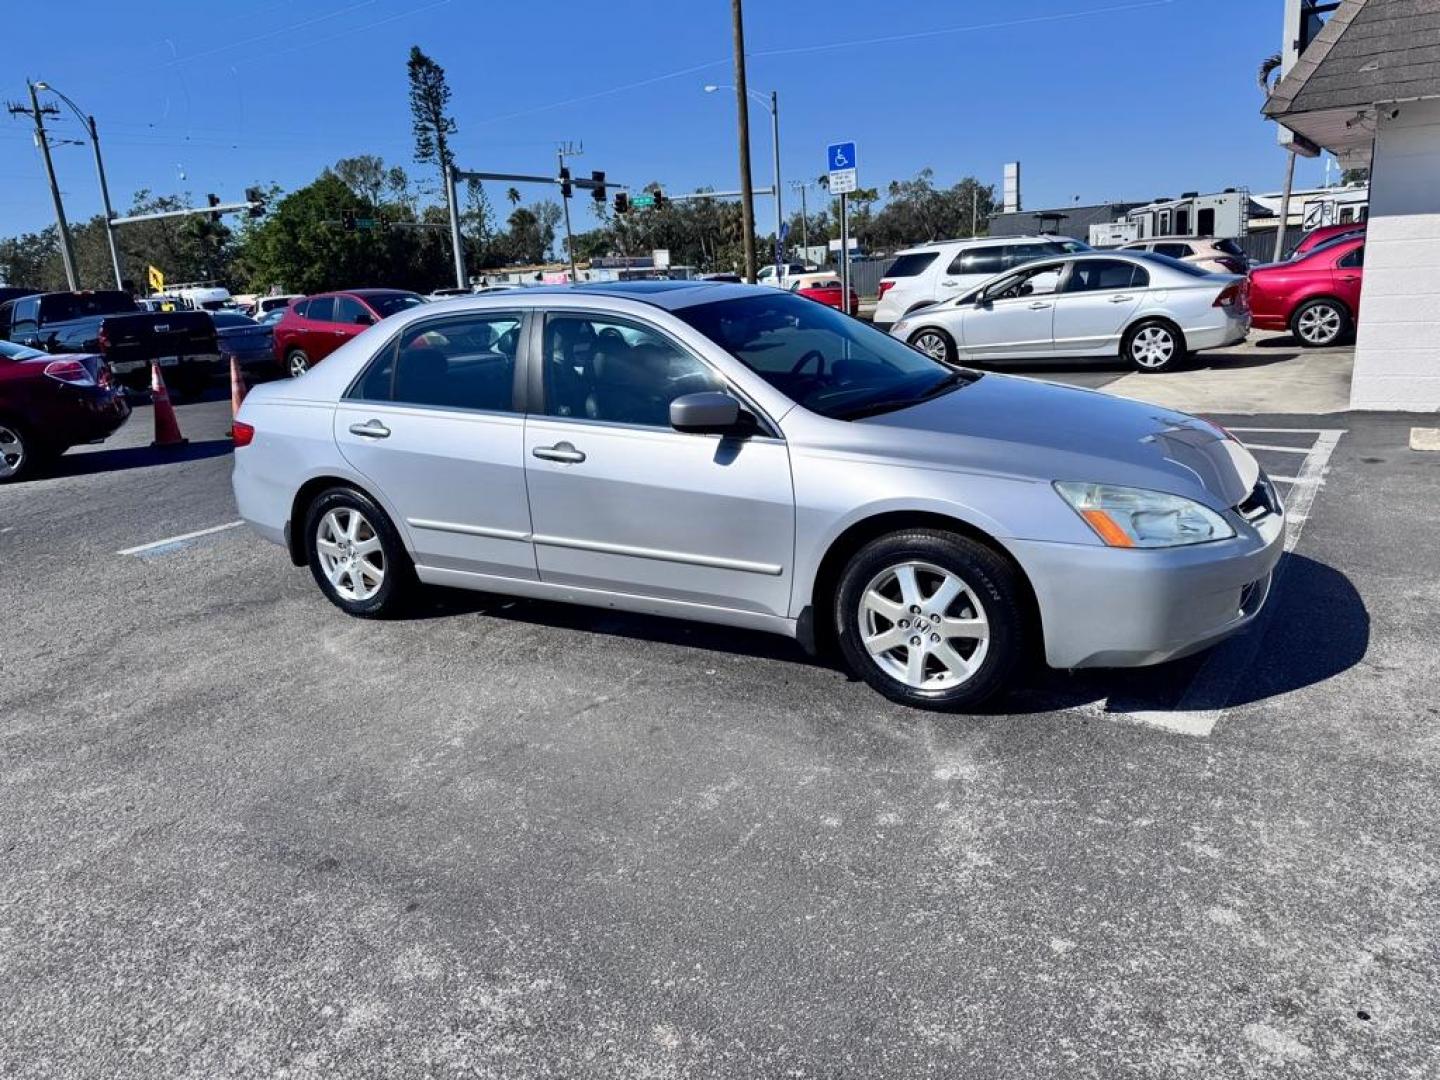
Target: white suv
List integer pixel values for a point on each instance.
(946, 268)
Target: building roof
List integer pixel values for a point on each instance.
(1370, 51)
(1071, 220)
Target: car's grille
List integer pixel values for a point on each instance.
(1262, 500)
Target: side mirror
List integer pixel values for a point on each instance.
(364, 319)
(708, 413)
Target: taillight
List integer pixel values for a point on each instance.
(104, 339)
(71, 372)
(103, 379)
(1228, 296)
(242, 433)
(885, 286)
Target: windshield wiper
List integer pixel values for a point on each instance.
(874, 408)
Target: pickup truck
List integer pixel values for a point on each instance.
(113, 325)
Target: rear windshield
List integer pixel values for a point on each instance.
(910, 265)
(1173, 264)
(1230, 247)
(59, 307)
(230, 318)
(386, 304)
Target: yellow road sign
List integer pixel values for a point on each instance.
(157, 279)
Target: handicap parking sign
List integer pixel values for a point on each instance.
(842, 156)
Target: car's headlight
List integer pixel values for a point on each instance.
(899, 328)
(1134, 517)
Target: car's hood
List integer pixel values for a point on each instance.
(1042, 431)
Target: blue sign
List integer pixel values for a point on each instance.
(784, 229)
(842, 156)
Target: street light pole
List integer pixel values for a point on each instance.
(89, 122)
(800, 186)
(772, 102)
(747, 195)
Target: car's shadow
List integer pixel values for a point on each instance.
(130, 457)
(1296, 649)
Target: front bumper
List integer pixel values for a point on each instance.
(1115, 607)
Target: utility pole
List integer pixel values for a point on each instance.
(89, 122)
(568, 150)
(1284, 208)
(975, 210)
(38, 114)
(742, 98)
(775, 146)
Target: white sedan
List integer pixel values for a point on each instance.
(1149, 309)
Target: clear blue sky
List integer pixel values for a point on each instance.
(1101, 99)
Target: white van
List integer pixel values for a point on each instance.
(946, 268)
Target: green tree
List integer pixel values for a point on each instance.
(429, 111)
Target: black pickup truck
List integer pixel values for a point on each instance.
(114, 326)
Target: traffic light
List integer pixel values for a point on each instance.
(598, 191)
(565, 181)
(214, 200)
(256, 198)
(622, 203)
(347, 220)
(384, 221)
(660, 201)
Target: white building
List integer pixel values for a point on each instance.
(1367, 88)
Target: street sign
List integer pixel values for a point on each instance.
(660, 258)
(842, 165)
(642, 201)
(157, 279)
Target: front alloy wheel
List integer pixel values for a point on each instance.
(14, 455)
(924, 626)
(935, 344)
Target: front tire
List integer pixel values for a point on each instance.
(934, 343)
(1153, 347)
(356, 556)
(931, 619)
(18, 453)
(296, 363)
(1318, 323)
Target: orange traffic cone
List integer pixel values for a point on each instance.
(238, 389)
(167, 428)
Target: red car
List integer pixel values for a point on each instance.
(49, 403)
(1316, 296)
(1324, 234)
(312, 328)
(824, 289)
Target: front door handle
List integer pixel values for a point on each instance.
(1349, 277)
(1038, 304)
(1121, 299)
(950, 283)
(371, 429)
(561, 451)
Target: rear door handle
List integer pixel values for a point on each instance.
(1120, 299)
(949, 283)
(371, 429)
(1349, 277)
(1038, 304)
(561, 451)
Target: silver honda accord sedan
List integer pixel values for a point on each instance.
(743, 456)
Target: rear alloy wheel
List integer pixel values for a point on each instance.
(1320, 323)
(17, 457)
(356, 556)
(935, 344)
(296, 363)
(1153, 347)
(931, 619)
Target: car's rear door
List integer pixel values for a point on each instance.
(1098, 298)
(1347, 275)
(317, 329)
(434, 424)
(622, 502)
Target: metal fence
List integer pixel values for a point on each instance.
(865, 274)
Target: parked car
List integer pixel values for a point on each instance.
(943, 270)
(727, 278)
(766, 275)
(313, 328)
(1326, 233)
(1315, 295)
(244, 339)
(14, 292)
(747, 457)
(271, 317)
(448, 294)
(1148, 309)
(129, 338)
(263, 305)
(824, 289)
(50, 403)
(1219, 256)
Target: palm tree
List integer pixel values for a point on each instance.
(1268, 67)
(513, 194)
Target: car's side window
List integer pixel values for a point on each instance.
(981, 260)
(462, 362)
(321, 309)
(617, 371)
(1354, 258)
(1097, 275)
(26, 317)
(350, 311)
(1041, 280)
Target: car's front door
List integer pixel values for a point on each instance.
(433, 424)
(1348, 275)
(622, 502)
(1013, 317)
(1096, 303)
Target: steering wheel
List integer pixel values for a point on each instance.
(813, 354)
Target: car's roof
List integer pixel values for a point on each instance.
(366, 292)
(966, 241)
(669, 295)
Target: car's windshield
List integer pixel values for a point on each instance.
(10, 351)
(826, 361)
(61, 307)
(386, 304)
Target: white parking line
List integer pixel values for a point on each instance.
(1213, 687)
(1277, 449)
(176, 541)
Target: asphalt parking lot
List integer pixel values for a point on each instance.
(244, 835)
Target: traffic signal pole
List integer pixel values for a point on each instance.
(454, 227)
(565, 202)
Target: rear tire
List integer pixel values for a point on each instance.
(1153, 346)
(931, 619)
(1320, 323)
(296, 363)
(356, 556)
(934, 343)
